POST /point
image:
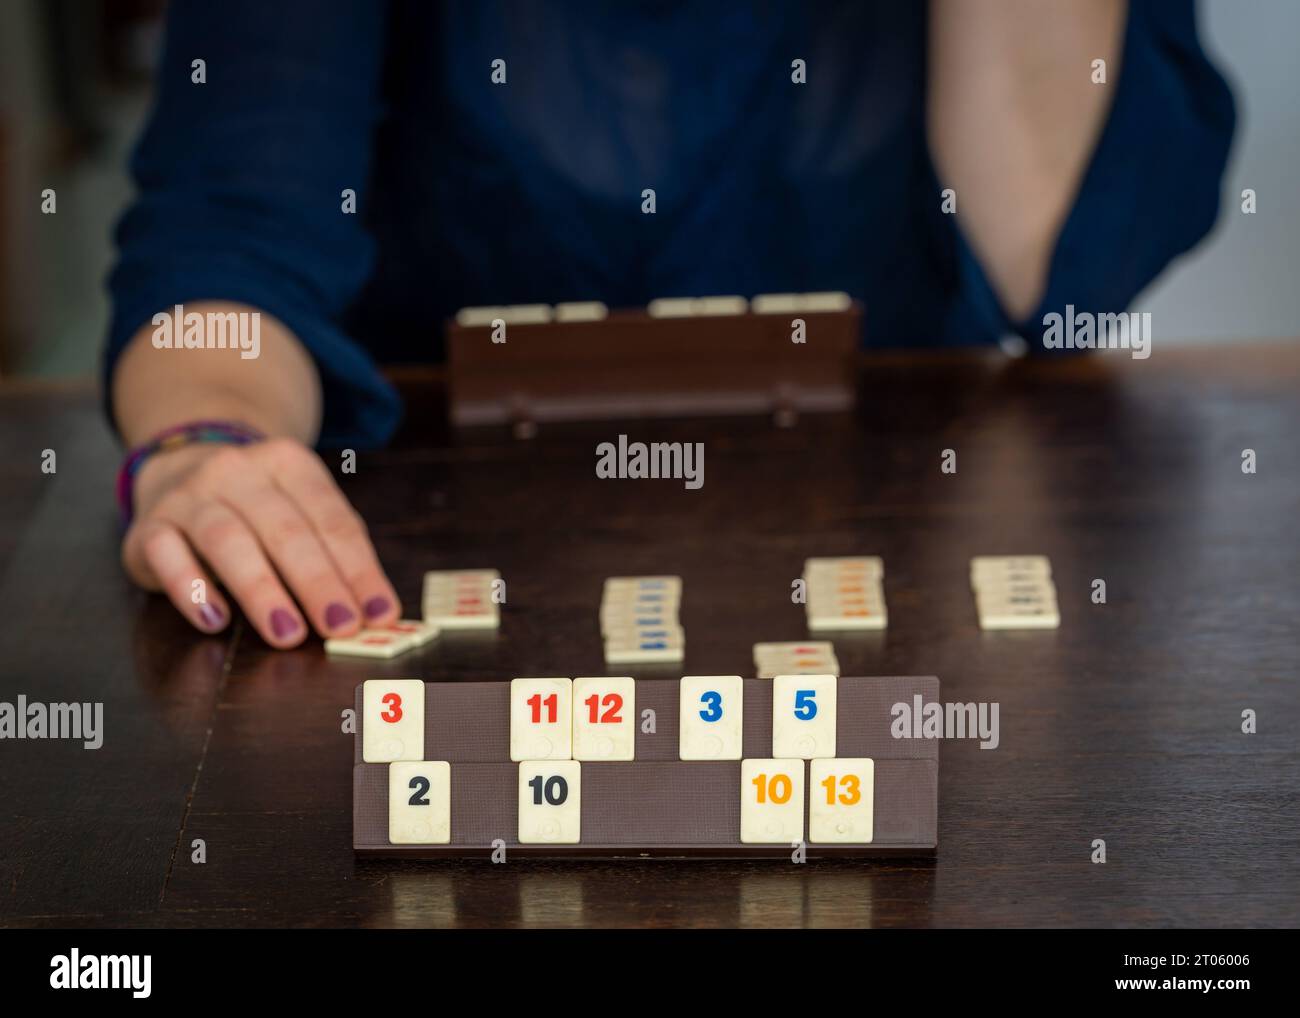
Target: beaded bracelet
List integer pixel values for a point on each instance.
(229, 432)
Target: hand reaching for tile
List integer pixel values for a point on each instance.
(268, 520)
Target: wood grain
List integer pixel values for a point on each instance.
(1124, 725)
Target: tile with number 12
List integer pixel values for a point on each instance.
(604, 718)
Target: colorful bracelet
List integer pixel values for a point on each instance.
(173, 438)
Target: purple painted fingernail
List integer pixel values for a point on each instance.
(211, 616)
(338, 615)
(283, 624)
(377, 606)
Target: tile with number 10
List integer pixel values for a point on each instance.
(550, 802)
(604, 718)
(771, 802)
(803, 716)
(541, 719)
(711, 725)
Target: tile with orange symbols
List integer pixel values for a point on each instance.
(771, 801)
(845, 594)
(841, 800)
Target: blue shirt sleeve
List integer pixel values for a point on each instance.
(240, 184)
(1151, 190)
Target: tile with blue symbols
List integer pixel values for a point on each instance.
(711, 718)
(650, 645)
(803, 716)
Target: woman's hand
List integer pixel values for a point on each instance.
(268, 520)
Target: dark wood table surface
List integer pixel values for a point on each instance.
(1124, 725)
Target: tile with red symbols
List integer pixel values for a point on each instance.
(392, 720)
(812, 657)
(375, 643)
(462, 599)
(604, 718)
(419, 631)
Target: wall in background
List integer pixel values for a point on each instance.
(1240, 284)
(1244, 280)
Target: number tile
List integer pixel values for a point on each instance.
(803, 716)
(550, 802)
(841, 800)
(419, 802)
(771, 801)
(604, 718)
(712, 717)
(541, 719)
(392, 720)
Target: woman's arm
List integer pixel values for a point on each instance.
(264, 115)
(267, 519)
(154, 389)
(1013, 119)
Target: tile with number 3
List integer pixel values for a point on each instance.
(712, 717)
(392, 720)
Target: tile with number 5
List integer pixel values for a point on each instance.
(803, 716)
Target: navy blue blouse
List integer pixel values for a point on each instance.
(470, 192)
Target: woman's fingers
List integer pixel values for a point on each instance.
(267, 521)
(157, 556)
(342, 531)
(227, 544)
(298, 555)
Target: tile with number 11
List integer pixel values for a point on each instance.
(541, 719)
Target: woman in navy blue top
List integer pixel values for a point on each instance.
(497, 153)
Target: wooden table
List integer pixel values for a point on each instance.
(1124, 725)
